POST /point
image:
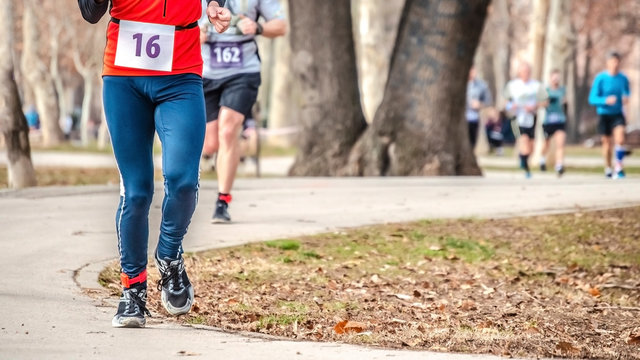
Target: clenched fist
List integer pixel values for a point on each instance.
(218, 16)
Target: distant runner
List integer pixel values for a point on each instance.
(231, 82)
(478, 97)
(555, 122)
(152, 83)
(524, 96)
(609, 94)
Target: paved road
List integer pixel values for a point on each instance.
(57, 239)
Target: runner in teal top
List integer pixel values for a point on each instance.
(554, 122)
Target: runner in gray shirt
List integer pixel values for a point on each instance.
(231, 79)
(478, 97)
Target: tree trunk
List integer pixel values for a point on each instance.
(87, 98)
(376, 25)
(283, 110)
(13, 124)
(502, 48)
(419, 128)
(582, 88)
(557, 55)
(324, 66)
(56, 75)
(37, 75)
(537, 36)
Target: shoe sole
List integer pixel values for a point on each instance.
(220, 221)
(128, 322)
(178, 311)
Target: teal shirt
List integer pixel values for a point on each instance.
(555, 109)
(605, 85)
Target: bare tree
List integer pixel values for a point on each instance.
(419, 128)
(37, 74)
(325, 67)
(13, 125)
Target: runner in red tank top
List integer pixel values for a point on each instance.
(153, 83)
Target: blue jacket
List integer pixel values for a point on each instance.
(605, 85)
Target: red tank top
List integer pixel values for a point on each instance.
(186, 44)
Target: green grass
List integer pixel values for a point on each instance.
(282, 320)
(284, 244)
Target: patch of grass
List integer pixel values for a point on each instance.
(266, 322)
(284, 244)
(196, 320)
(311, 254)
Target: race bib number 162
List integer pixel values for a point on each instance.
(145, 46)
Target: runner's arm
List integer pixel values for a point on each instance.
(626, 92)
(595, 98)
(274, 25)
(93, 10)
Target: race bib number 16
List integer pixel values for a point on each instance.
(145, 46)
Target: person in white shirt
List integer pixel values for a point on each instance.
(524, 97)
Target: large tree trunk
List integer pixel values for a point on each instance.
(376, 25)
(419, 128)
(324, 66)
(37, 75)
(13, 125)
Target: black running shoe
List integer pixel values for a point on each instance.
(608, 173)
(132, 307)
(543, 167)
(560, 171)
(176, 289)
(220, 214)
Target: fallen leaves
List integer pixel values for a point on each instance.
(513, 304)
(594, 291)
(567, 348)
(347, 327)
(634, 339)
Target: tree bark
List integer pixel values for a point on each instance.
(37, 75)
(558, 51)
(537, 36)
(324, 65)
(13, 124)
(56, 75)
(502, 35)
(419, 128)
(376, 25)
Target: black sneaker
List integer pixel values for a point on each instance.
(132, 307)
(560, 171)
(608, 173)
(220, 214)
(543, 167)
(176, 289)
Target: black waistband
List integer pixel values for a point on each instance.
(239, 42)
(178, 28)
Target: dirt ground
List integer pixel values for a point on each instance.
(550, 286)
